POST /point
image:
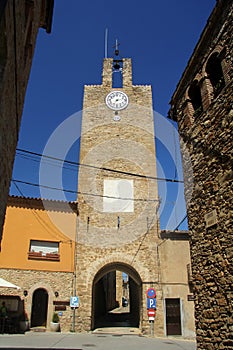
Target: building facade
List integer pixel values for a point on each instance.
(39, 258)
(114, 236)
(202, 106)
(19, 25)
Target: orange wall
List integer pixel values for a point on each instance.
(23, 224)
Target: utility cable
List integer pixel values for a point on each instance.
(146, 233)
(181, 222)
(41, 221)
(84, 193)
(99, 168)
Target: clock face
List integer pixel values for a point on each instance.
(117, 100)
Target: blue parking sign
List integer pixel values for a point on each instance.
(151, 303)
(74, 301)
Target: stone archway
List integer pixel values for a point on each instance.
(104, 297)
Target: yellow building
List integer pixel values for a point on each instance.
(38, 257)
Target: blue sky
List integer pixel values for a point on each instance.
(159, 36)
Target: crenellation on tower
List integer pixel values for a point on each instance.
(127, 73)
(107, 72)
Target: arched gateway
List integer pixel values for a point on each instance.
(113, 291)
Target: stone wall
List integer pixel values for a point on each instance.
(19, 25)
(52, 282)
(207, 163)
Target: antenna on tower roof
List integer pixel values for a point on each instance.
(116, 48)
(106, 43)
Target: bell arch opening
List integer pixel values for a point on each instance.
(116, 296)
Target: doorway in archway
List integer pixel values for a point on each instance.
(39, 308)
(116, 297)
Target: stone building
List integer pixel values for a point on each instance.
(118, 225)
(202, 104)
(19, 25)
(116, 228)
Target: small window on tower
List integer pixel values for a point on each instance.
(215, 73)
(195, 96)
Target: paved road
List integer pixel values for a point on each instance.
(93, 341)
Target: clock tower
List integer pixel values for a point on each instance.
(118, 201)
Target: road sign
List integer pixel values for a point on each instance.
(151, 313)
(151, 293)
(151, 303)
(74, 301)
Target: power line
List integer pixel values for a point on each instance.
(27, 154)
(41, 221)
(181, 222)
(83, 193)
(99, 168)
(87, 194)
(50, 162)
(144, 236)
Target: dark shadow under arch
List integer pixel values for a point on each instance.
(102, 290)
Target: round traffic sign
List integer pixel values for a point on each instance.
(151, 313)
(151, 293)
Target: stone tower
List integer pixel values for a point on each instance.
(118, 198)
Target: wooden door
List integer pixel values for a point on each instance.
(173, 318)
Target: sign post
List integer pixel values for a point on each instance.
(151, 316)
(74, 304)
(151, 307)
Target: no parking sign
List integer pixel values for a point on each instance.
(151, 293)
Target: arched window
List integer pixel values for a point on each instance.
(194, 94)
(215, 73)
